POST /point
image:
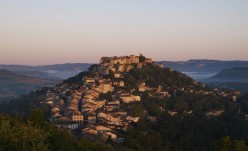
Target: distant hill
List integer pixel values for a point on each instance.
(233, 79)
(202, 68)
(16, 80)
(13, 85)
(7, 77)
(213, 66)
(197, 69)
(240, 86)
(50, 72)
(40, 74)
(238, 74)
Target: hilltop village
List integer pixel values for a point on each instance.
(98, 105)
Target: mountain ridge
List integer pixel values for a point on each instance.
(15, 84)
(233, 78)
(237, 74)
(204, 65)
(50, 72)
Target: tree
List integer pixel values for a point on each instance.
(19, 136)
(137, 109)
(180, 106)
(142, 58)
(239, 146)
(61, 140)
(244, 102)
(226, 144)
(107, 96)
(111, 74)
(37, 118)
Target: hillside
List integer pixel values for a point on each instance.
(197, 69)
(232, 79)
(212, 66)
(13, 85)
(238, 74)
(130, 103)
(202, 69)
(50, 72)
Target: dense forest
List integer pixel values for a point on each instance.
(24, 125)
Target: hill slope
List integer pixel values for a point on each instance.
(238, 74)
(13, 85)
(203, 65)
(233, 79)
(201, 69)
(50, 72)
(167, 110)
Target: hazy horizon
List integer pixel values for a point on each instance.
(82, 31)
(111, 56)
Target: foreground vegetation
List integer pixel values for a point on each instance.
(35, 134)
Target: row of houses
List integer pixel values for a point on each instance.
(120, 64)
(96, 104)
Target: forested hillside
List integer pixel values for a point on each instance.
(183, 119)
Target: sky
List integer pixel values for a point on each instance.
(41, 32)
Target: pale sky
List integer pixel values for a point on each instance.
(39, 32)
